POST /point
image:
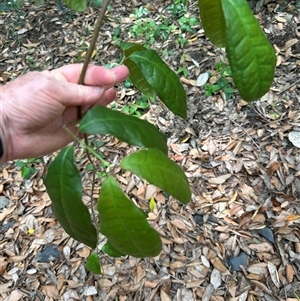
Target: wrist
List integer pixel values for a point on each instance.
(4, 131)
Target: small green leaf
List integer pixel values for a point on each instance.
(213, 21)
(162, 79)
(252, 58)
(77, 5)
(124, 224)
(20, 163)
(93, 263)
(89, 167)
(152, 204)
(101, 120)
(111, 250)
(63, 183)
(27, 172)
(135, 74)
(158, 169)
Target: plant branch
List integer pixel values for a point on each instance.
(91, 48)
(79, 110)
(88, 148)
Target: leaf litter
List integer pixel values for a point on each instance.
(242, 161)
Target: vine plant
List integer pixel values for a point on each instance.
(229, 24)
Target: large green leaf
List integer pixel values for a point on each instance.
(135, 74)
(252, 58)
(63, 183)
(77, 5)
(159, 170)
(124, 224)
(162, 79)
(129, 48)
(111, 250)
(138, 132)
(213, 21)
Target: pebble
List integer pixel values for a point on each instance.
(49, 254)
(235, 262)
(267, 233)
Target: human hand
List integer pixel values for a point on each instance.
(35, 107)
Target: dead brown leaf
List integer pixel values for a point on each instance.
(262, 247)
(290, 272)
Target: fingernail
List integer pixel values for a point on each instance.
(98, 90)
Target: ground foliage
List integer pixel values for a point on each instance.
(243, 163)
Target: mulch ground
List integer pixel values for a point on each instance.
(238, 238)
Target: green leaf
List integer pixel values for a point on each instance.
(135, 74)
(124, 224)
(111, 250)
(252, 58)
(159, 170)
(77, 5)
(129, 48)
(20, 163)
(213, 21)
(27, 172)
(93, 263)
(63, 183)
(101, 120)
(162, 79)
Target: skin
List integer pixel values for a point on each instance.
(35, 107)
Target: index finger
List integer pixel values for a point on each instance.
(95, 75)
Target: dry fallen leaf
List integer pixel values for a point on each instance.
(202, 79)
(178, 223)
(292, 217)
(50, 291)
(294, 137)
(290, 272)
(164, 296)
(6, 212)
(274, 166)
(215, 278)
(274, 274)
(258, 268)
(208, 292)
(3, 265)
(217, 263)
(289, 44)
(219, 180)
(262, 247)
(84, 252)
(250, 144)
(16, 295)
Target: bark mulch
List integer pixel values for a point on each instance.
(238, 238)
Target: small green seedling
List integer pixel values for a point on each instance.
(27, 167)
(177, 8)
(223, 83)
(139, 106)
